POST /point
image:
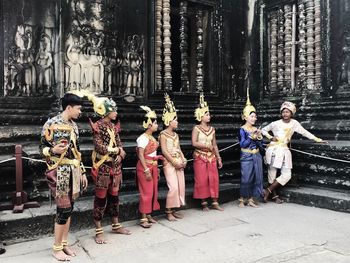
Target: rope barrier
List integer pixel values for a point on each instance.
(320, 156)
(190, 160)
(7, 160)
(124, 168)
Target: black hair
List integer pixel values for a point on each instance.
(243, 121)
(70, 99)
(145, 119)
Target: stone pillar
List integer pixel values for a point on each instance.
(158, 51)
(200, 51)
(287, 46)
(318, 50)
(280, 50)
(167, 45)
(302, 46)
(185, 84)
(273, 52)
(310, 43)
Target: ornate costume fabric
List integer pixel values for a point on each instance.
(251, 164)
(278, 155)
(65, 170)
(175, 178)
(206, 176)
(107, 174)
(148, 189)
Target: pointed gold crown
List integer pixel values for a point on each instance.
(202, 109)
(169, 111)
(249, 108)
(150, 114)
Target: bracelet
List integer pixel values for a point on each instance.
(219, 158)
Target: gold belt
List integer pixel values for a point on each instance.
(253, 151)
(99, 157)
(152, 162)
(208, 154)
(74, 162)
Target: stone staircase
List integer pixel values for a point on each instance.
(316, 182)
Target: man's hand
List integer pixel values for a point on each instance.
(59, 148)
(122, 153)
(84, 181)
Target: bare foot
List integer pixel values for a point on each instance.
(100, 239)
(252, 203)
(151, 219)
(277, 199)
(170, 217)
(61, 256)
(122, 230)
(217, 207)
(205, 207)
(69, 251)
(178, 215)
(241, 204)
(144, 223)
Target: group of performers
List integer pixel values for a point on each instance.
(67, 178)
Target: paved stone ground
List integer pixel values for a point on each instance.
(271, 233)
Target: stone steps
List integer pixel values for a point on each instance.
(318, 197)
(36, 222)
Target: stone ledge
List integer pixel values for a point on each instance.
(35, 222)
(318, 197)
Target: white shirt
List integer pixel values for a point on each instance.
(142, 142)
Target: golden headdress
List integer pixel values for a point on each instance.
(202, 109)
(169, 111)
(150, 114)
(289, 106)
(249, 108)
(101, 105)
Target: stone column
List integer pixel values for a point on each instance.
(200, 51)
(287, 46)
(185, 85)
(302, 46)
(280, 51)
(310, 43)
(168, 85)
(318, 49)
(158, 51)
(273, 52)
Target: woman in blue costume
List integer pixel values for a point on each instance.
(250, 140)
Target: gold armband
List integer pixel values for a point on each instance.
(47, 152)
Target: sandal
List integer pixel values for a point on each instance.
(241, 202)
(252, 203)
(99, 239)
(205, 207)
(119, 229)
(59, 254)
(67, 249)
(277, 199)
(215, 205)
(144, 223)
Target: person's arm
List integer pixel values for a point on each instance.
(244, 140)
(265, 131)
(141, 145)
(216, 151)
(122, 153)
(166, 153)
(302, 131)
(46, 148)
(195, 143)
